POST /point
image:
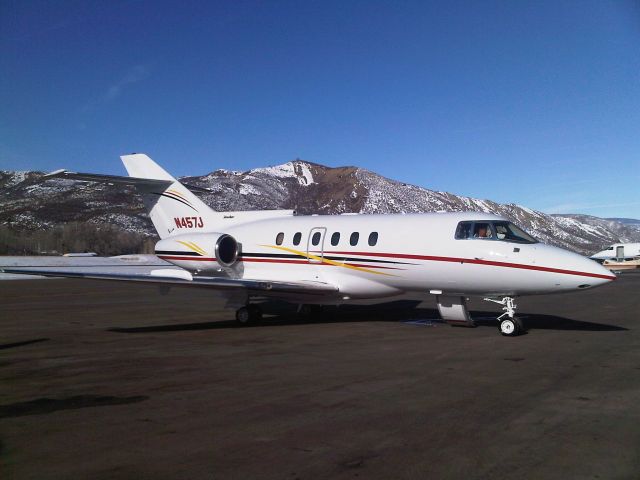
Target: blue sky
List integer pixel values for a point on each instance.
(536, 103)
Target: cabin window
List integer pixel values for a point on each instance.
(509, 232)
(482, 230)
(315, 239)
(279, 238)
(499, 230)
(335, 238)
(353, 240)
(464, 230)
(373, 238)
(296, 238)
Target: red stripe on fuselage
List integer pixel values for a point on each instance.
(307, 262)
(477, 262)
(195, 259)
(273, 260)
(406, 256)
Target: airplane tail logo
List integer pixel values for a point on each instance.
(177, 196)
(173, 209)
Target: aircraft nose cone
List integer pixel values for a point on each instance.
(572, 270)
(596, 274)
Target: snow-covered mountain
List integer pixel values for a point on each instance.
(631, 223)
(26, 203)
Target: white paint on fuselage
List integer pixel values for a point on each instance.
(457, 267)
(629, 250)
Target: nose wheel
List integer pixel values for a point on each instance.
(510, 325)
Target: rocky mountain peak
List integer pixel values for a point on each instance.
(26, 203)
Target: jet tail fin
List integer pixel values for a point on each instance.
(141, 166)
(172, 207)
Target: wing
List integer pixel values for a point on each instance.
(118, 180)
(184, 278)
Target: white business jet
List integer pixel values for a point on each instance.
(343, 259)
(620, 251)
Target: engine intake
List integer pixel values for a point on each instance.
(226, 250)
(199, 251)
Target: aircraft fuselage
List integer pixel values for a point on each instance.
(408, 256)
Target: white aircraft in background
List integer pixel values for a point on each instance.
(622, 251)
(343, 259)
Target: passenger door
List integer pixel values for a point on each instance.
(315, 244)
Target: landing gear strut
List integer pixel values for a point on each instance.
(309, 312)
(511, 326)
(248, 315)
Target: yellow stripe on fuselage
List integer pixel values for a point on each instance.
(193, 246)
(324, 260)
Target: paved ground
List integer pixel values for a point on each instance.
(103, 380)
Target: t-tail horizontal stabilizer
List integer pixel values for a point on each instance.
(118, 180)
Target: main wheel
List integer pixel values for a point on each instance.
(256, 313)
(511, 327)
(243, 316)
(248, 315)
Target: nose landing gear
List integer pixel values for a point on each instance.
(511, 326)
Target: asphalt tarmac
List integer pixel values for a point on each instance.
(109, 380)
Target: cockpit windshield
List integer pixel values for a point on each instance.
(495, 230)
(512, 233)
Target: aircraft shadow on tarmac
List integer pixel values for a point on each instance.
(6, 346)
(551, 322)
(483, 319)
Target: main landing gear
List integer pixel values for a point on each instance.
(250, 314)
(309, 312)
(511, 326)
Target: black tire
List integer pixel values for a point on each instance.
(521, 327)
(510, 327)
(256, 313)
(243, 316)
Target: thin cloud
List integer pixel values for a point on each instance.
(134, 75)
(563, 208)
(577, 207)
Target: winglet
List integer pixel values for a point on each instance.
(55, 173)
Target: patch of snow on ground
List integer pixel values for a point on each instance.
(248, 189)
(528, 210)
(482, 205)
(16, 178)
(307, 177)
(591, 229)
(286, 170)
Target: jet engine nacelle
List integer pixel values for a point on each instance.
(199, 251)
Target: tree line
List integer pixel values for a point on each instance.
(75, 237)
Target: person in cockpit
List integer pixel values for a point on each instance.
(482, 230)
